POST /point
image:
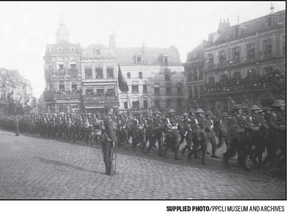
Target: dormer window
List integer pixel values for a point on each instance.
(165, 60)
(97, 52)
(138, 60)
(59, 49)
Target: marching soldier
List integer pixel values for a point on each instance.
(109, 142)
(200, 129)
(171, 130)
(186, 133)
(211, 134)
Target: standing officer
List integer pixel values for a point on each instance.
(16, 126)
(109, 141)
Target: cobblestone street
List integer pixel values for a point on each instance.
(38, 168)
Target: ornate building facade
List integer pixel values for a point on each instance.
(99, 77)
(62, 73)
(155, 77)
(245, 59)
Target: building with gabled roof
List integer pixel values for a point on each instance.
(155, 77)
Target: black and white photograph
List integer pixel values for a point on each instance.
(144, 101)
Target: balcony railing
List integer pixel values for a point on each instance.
(49, 96)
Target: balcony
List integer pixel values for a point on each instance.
(49, 96)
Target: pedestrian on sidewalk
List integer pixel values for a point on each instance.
(16, 126)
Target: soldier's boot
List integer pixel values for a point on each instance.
(183, 150)
(176, 157)
(203, 158)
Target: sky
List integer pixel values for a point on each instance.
(27, 27)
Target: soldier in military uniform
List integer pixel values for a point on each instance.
(239, 127)
(109, 141)
(199, 132)
(211, 134)
(186, 133)
(171, 130)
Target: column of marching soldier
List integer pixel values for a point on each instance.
(248, 130)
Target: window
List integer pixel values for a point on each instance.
(128, 75)
(135, 104)
(237, 75)
(110, 92)
(165, 61)
(168, 89)
(88, 73)
(140, 75)
(100, 92)
(125, 105)
(167, 74)
(110, 73)
(59, 49)
(190, 75)
(201, 89)
(138, 60)
(61, 66)
(145, 103)
(73, 65)
(195, 91)
(179, 89)
(72, 49)
(74, 87)
(61, 86)
(210, 61)
(251, 51)
(222, 58)
(97, 52)
(144, 87)
(156, 90)
(236, 55)
(267, 48)
(135, 87)
(99, 73)
(194, 74)
(201, 74)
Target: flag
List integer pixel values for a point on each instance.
(121, 81)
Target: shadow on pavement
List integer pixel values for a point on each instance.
(59, 163)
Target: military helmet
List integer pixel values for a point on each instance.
(255, 107)
(185, 114)
(171, 111)
(209, 113)
(199, 111)
(278, 103)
